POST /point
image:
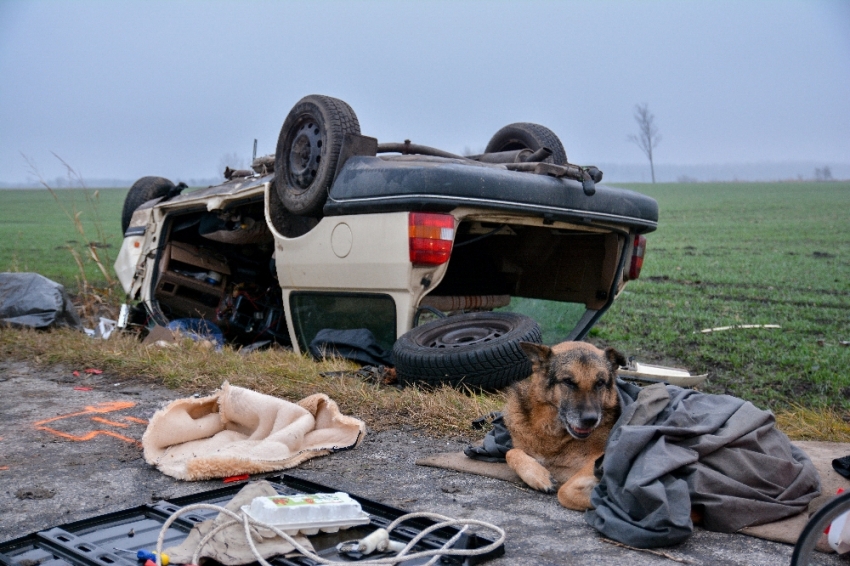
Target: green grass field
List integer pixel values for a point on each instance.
(37, 235)
(724, 254)
(749, 253)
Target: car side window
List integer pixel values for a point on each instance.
(313, 311)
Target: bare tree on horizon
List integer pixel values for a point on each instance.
(648, 136)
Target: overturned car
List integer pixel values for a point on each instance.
(339, 232)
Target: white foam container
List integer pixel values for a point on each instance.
(307, 513)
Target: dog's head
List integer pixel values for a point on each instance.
(576, 378)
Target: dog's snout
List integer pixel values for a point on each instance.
(579, 419)
(588, 419)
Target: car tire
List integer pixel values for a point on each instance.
(525, 135)
(143, 190)
(476, 350)
(308, 150)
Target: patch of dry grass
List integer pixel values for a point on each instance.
(189, 367)
(803, 423)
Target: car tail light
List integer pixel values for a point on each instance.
(637, 257)
(431, 237)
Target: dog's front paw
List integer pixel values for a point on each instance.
(530, 471)
(541, 484)
(575, 494)
(538, 479)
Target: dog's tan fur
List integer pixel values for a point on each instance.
(560, 418)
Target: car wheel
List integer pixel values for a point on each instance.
(308, 150)
(525, 135)
(478, 350)
(143, 190)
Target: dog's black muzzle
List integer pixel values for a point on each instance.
(579, 425)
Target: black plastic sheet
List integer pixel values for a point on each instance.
(34, 301)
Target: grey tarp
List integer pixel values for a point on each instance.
(32, 300)
(673, 448)
(497, 442)
(358, 344)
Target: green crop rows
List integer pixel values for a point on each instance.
(744, 253)
(38, 233)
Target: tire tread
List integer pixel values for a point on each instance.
(489, 366)
(143, 190)
(338, 119)
(533, 136)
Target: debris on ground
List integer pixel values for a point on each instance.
(104, 329)
(640, 372)
(30, 300)
(737, 326)
(199, 330)
(35, 493)
(203, 332)
(381, 375)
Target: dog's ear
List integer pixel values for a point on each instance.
(538, 354)
(615, 359)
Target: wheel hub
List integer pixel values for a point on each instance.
(463, 335)
(305, 154)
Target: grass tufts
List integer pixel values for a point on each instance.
(189, 367)
(805, 423)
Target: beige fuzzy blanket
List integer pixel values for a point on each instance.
(238, 431)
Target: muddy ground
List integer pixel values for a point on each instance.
(68, 451)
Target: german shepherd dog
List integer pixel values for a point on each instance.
(560, 418)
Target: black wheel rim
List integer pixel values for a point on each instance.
(305, 153)
(463, 334)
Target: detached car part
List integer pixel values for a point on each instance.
(477, 350)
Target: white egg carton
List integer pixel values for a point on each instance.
(308, 513)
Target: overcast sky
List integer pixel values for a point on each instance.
(122, 89)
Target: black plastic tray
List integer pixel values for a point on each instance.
(92, 542)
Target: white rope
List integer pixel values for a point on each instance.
(248, 521)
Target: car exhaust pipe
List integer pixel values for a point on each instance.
(513, 156)
(536, 157)
(408, 148)
(524, 155)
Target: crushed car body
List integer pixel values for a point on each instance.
(341, 232)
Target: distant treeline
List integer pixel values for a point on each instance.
(613, 172)
(64, 183)
(760, 171)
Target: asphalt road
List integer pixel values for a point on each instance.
(68, 451)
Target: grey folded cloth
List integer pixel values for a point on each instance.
(674, 449)
(496, 443)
